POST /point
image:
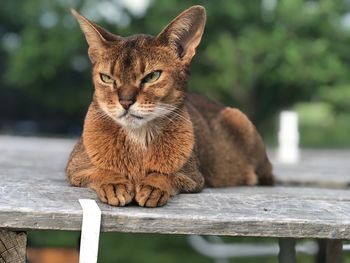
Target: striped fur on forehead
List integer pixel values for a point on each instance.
(130, 57)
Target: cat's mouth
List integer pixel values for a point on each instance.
(135, 116)
(127, 114)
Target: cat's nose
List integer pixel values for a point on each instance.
(127, 95)
(126, 103)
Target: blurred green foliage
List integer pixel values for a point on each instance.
(149, 248)
(261, 56)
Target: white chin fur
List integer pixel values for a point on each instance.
(138, 130)
(130, 122)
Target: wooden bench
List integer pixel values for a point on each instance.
(35, 195)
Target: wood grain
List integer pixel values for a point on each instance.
(12, 247)
(35, 195)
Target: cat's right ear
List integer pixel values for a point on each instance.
(96, 36)
(184, 33)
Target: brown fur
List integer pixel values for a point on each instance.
(168, 141)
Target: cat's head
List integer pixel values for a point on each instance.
(141, 78)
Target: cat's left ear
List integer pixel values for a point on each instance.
(185, 32)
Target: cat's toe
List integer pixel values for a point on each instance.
(115, 194)
(124, 194)
(157, 198)
(152, 197)
(155, 190)
(143, 194)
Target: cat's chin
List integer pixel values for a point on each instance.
(131, 122)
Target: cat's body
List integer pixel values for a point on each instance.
(144, 138)
(219, 130)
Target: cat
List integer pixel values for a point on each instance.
(145, 139)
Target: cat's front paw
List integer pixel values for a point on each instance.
(154, 190)
(116, 192)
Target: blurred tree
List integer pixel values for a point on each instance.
(41, 44)
(261, 56)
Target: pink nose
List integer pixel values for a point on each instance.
(126, 103)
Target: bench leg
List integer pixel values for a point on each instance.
(321, 254)
(329, 251)
(12, 246)
(334, 250)
(287, 250)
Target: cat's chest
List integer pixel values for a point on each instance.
(162, 155)
(136, 155)
(128, 157)
(165, 153)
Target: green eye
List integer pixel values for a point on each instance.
(152, 77)
(106, 79)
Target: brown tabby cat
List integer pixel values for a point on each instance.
(144, 137)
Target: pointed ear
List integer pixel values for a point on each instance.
(185, 32)
(96, 36)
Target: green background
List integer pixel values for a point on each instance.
(262, 56)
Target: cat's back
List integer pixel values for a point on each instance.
(219, 120)
(207, 108)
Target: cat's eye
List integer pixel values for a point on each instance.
(152, 77)
(106, 79)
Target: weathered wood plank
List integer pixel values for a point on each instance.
(34, 160)
(321, 168)
(12, 246)
(239, 212)
(35, 195)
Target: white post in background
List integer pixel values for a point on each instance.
(288, 138)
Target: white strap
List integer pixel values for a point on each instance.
(90, 231)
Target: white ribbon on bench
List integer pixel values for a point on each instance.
(90, 231)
